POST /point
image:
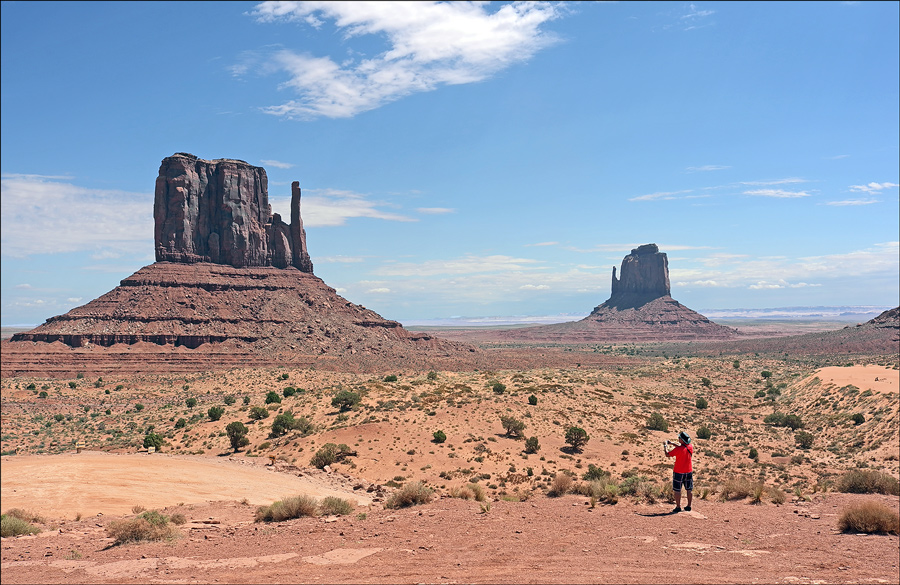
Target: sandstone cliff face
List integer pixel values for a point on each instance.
(645, 272)
(218, 211)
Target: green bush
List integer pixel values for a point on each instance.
(258, 413)
(576, 437)
(701, 403)
(804, 439)
(860, 481)
(760, 394)
(594, 473)
(779, 419)
(153, 440)
(390, 378)
(432, 375)
(754, 454)
(139, 407)
(532, 445)
(329, 454)
(229, 400)
(345, 400)
(43, 394)
(498, 387)
(215, 412)
(237, 435)
(858, 418)
(704, 433)
(656, 422)
(766, 374)
(179, 424)
(150, 525)
(289, 391)
(286, 422)
(532, 400)
(190, 402)
(273, 398)
(707, 383)
(439, 436)
(411, 494)
(512, 425)
(287, 509)
(332, 506)
(14, 526)
(246, 400)
(285, 376)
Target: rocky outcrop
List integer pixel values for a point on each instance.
(645, 274)
(218, 211)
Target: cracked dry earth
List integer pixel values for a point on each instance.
(542, 540)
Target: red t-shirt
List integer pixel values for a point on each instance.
(683, 455)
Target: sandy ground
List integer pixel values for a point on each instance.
(876, 378)
(93, 482)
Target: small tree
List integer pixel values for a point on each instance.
(345, 400)
(594, 473)
(273, 397)
(701, 403)
(532, 400)
(139, 407)
(858, 418)
(390, 378)
(191, 402)
(576, 437)
(215, 412)
(736, 364)
(512, 425)
(284, 376)
(258, 413)
(289, 391)
(153, 440)
(246, 400)
(754, 454)
(704, 433)
(656, 422)
(804, 439)
(237, 435)
(766, 374)
(229, 400)
(439, 436)
(706, 382)
(179, 424)
(532, 445)
(498, 387)
(432, 375)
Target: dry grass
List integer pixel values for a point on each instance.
(411, 494)
(473, 491)
(149, 526)
(287, 509)
(333, 506)
(15, 526)
(860, 481)
(870, 517)
(736, 489)
(25, 515)
(777, 496)
(562, 483)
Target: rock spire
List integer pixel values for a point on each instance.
(645, 272)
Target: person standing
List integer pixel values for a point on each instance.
(683, 473)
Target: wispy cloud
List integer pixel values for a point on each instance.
(777, 193)
(666, 195)
(338, 259)
(469, 264)
(873, 187)
(788, 181)
(543, 244)
(706, 168)
(333, 207)
(534, 287)
(435, 210)
(276, 163)
(431, 44)
(852, 202)
(41, 214)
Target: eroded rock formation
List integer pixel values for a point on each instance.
(645, 273)
(218, 211)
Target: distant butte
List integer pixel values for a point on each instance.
(639, 309)
(233, 286)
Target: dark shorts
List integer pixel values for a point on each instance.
(682, 479)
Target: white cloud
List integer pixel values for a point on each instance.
(43, 215)
(852, 202)
(24, 286)
(788, 181)
(466, 265)
(534, 287)
(706, 168)
(333, 207)
(660, 195)
(777, 193)
(431, 44)
(338, 259)
(379, 290)
(872, 187)
(277, 164)
(543, 244)
(435, 210)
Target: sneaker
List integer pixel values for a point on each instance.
(676, 510)
(687, 508)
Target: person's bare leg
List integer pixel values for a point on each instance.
(678, 499)
(690, 497)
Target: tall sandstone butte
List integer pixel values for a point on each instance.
(645, 273)
(218, 211)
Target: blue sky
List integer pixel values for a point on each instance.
(471, 159)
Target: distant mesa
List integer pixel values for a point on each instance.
(233, 286)
(639, 308)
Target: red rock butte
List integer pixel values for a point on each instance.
(233, 286)
(639, 309)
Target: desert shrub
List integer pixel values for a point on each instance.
(512, 425)
(215, 412)
(706, 382)
(701, 403)
(804, 439)
(345, 400)
(760, 394)
(860, 481)
(779, 419)
(756, 493)
(411, 494)
(190, 402)
(179, 424)
(153, 440)
(869, 517)
(273, 397)
(178, 519)
(656, 422)
(560, 486)
(43, 394)
(139, 407)
(439, 436)
(736, 364)
(602, 491)
(858, 418)
(150, 525)
(594, 473)
(704, 433)
(246, 400)
(777, 496)
(766, 374)
(237, 435)
(532, 445)
(289, 391)
(329, 454)
(332, 506)
(229, 400)
(736, 489)
(390, 378)
(287, 509)
(532, 400)
(498, 387)
(25, 515)
(258, 413)
(432, 375)
(576, 437)
(285, 422)
(285, 376)
(754, 454)
(11, 525)
(472, 491)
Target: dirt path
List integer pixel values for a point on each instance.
(91, 482)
